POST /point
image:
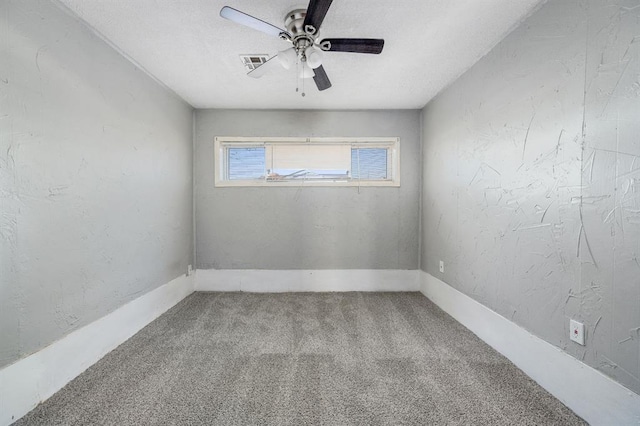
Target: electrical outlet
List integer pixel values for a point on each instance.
(442, 266)
(576, 332)
(189, 270)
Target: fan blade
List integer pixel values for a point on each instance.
(355, 45)
(321, 79)
(316, 11)
(249, 21)
(264, 68)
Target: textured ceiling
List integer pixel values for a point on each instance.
(187, 46)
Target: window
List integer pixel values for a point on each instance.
(307, 161)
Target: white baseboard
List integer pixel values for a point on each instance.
(33, 379)
(590, 394)
(282, 281)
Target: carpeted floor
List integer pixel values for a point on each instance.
(298, 359)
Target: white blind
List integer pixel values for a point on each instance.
(311, 157)
(369, 163)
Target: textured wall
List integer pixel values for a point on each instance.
(95, 179)
(307, 228)
(532, 180)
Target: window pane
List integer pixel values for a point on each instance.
(246, 163)
(369, 163)
(310, 162)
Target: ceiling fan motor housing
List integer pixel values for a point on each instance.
(301, 37)
(294, 22)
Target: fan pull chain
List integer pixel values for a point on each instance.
(297, 75)
(298, 78)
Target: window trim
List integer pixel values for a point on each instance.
(223, 142)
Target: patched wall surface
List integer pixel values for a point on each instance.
(532, 181)
(95, 179)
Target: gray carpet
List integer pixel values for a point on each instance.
(298, 359)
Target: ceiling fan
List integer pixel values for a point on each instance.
(302, 31)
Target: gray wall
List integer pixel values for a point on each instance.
(95, 179)
(307, 228)
(532, 180)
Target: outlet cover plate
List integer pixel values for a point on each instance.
(442, 266)
(576, 332)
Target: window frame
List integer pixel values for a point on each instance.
(221, 143)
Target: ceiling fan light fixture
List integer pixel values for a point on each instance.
(314, 57)
(288, 58)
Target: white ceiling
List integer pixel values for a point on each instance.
(187, 46)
